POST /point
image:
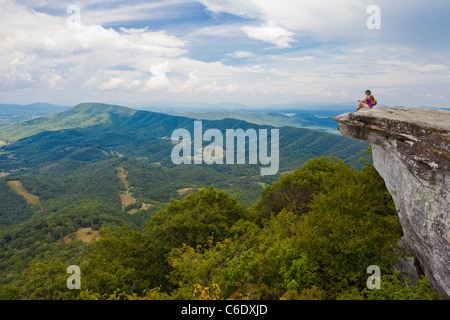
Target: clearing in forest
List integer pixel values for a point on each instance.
(184, 191)
(17, 187)
(125, 197)
(83, 234)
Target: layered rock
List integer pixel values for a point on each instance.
(411, 151)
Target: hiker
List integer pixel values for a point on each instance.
(369, 101)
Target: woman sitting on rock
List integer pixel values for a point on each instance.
(367, 102)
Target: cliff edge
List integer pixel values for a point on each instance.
(411, 151)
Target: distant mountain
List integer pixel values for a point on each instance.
(94, 132)
(102, 116)
(81, 116)
(179, 107)
(16, 112)
(316, 120)
(185, 107)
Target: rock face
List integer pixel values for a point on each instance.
(411, 151)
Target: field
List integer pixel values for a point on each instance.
(30, 198)
(83, 234)
(184, 191)
(125, 197)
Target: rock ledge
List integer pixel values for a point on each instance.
(411, 151)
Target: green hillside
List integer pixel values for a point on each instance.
(81, 116)
(310, 236)
(98, 133)
(99, 166)
(93, 132)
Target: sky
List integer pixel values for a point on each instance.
(254, 52)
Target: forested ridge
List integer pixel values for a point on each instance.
(311, 235)
(190, 231)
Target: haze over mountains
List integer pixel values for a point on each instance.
(317, 116)
(310, 116)
(16, 112)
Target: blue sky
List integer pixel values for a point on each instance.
(242, 51)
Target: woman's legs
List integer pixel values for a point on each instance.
(362, 105)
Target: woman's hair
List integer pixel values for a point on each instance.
(369, 91)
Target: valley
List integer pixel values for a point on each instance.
(95, 167)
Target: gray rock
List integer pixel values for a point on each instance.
(411, 151)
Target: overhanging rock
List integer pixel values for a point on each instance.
(411, 151)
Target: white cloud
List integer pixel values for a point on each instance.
(191, 82)
(33, 43)
(241, 54)
(41, 55)
(111, 12)
(431, 68)
(52, 79)
(113, 83)
(272, 34)
(324, 18)
(159, 79)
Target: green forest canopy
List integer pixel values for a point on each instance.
(312, 235)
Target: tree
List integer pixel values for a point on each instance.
(10, 292)
(349, 227)
(196, 220)
(395, 286)
(345, 222)
(294, 191)
(116, 262)
(252, 263)
(47, 281)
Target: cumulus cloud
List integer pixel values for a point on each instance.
(113, 83)
(191, 82)
(272, 34)
(159, 79)
(331, 52)
(34, 43)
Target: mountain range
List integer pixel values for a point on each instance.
(103, 130)
(16, 112)
(98, 165)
